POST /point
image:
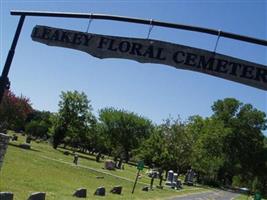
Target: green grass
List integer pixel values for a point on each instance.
(44, 169)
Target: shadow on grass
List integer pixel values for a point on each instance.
(80, 155)
(18, 146)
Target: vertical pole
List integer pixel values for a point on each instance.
(137, 175)
(4, 82)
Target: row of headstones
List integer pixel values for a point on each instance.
(100, 191)
(33, 196)
(81, 192)
(172, 179)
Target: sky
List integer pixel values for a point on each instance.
(154, 91)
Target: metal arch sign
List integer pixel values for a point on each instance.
(154, 51)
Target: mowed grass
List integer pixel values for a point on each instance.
(48, 170)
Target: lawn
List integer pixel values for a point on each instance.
(48, 170)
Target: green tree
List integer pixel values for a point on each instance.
(38, 124)
(37, 129)
(124, 130)
(155, 150)
(169, 146)
(244, 143)
(208, 150)
(75, 121)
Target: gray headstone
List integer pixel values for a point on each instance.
(175, 178)
(25, 146)
(116, 190)
(109, 164)
(6, 196)
(4, 139)
(81, 192)
(100, 191)
(145, 188)
(37, 196)
(169, 177)
(14, 138)
(189, 177)
(28, 139)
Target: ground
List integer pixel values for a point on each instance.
(48, 170)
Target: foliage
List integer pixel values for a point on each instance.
(124, 130)
(14, 111)
(37, 129)
(245, 142)
(169, 147)
(38, 124)
(74, 122)
(208, 156)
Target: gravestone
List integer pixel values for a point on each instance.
(25, 146)
(179, 184)
(75, 159)
(109, 164)
(14, 137)
(81, 192)
(28, 140)
(174, 179)
(100, 191)
(4, 139)
(37, 196)
(169, 177)
(189, 177)
(116, 190)
(145, 188)
(6, 196)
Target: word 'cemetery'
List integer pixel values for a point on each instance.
(154, 51)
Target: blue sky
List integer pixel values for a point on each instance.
(155, 91)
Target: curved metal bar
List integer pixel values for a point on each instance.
(141, 21)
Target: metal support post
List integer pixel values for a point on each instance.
(4, 81)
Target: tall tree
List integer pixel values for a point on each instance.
(169, 147)
(14, 111)
(74, 121)
(125, 130)
(245, 141)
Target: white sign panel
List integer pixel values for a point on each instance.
(154, 51)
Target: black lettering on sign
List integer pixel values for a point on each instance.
(46, 33)
(154, 51)
(149, 52)
(178, 57)
(55, 35)
(77, 39)
(111, 46)
(35, 32)
(221, 66)
(248, 72)
(261, 75)
(206, 63)
(235, 67)
(103, 41)
(136, 49)
(190, 59)
(124, 46)
(65, 37)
